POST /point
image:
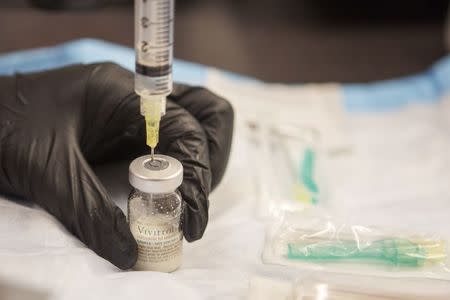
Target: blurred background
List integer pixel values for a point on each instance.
(274, 40)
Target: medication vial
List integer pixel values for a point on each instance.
(155, 211)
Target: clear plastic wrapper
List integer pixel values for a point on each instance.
(318, 286)
(290, 173)
(357, 288)
(321, 243)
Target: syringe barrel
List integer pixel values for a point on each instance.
(154, 46)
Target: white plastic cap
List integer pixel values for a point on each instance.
(162, 175)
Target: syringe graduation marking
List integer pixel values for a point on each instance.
(156, 71)
(154, 55)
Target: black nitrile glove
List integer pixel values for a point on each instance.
(55, 124)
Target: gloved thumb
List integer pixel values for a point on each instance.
(72, 193)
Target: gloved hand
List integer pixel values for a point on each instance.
(54, 125)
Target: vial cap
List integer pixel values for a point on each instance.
(163, 174)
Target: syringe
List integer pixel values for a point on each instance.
(154, 56)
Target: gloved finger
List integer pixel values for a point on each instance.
(121, 137)
(185, 139)
(115, 129)
(73, 194)
(216, 116)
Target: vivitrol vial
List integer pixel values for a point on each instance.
(154, 212)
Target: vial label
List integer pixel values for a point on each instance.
(160, 245)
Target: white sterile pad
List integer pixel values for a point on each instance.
(387, 167)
